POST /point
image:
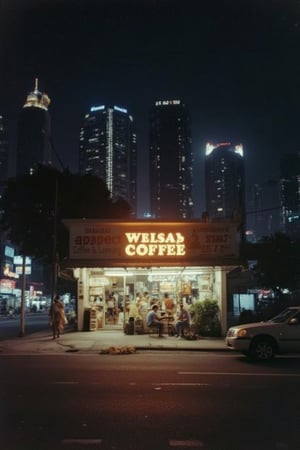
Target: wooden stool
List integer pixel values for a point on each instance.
(153, 330)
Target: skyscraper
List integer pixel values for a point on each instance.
(225, 181)
(108, 150)
(34, 133)
(263, 210)
(290, 194)
(171, 161)
(5, 255)
(3, 153)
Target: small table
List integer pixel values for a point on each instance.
(168, 321)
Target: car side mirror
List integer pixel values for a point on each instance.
(294, 321)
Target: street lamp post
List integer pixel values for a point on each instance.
(55, 259)
(55, 255)
(23, 300)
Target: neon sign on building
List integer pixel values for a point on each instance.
(155, 244)
(152, 242)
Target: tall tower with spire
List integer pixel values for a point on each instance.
(34, 133)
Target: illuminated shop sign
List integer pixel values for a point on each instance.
(8, 271)
(7, 286)
(151, 242)
(9, 251)
(19, 270)
(19, 260)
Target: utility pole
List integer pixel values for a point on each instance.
(55, 262)
(23, 299)
(55, 254)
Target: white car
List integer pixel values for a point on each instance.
(263, 340)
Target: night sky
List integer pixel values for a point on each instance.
(234, 63)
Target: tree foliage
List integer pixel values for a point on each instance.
(33, 207)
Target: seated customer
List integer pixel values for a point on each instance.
(183, 320)
(154, 321)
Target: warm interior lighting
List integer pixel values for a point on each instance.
(118, 273)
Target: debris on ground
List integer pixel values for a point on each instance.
(126, 350)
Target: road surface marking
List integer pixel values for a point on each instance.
(181, 384)
(81, 441)
(241, 374)
(189, 443)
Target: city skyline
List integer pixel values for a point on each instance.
(234, 66)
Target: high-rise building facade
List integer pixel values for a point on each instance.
(171, 161)
(263, 210)
(3, 152)
(34, 133)
(5, 260)
(290, 194)
(225, 181)
(108, 150)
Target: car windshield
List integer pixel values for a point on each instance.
(283, 316)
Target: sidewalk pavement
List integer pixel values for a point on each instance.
(101, 341)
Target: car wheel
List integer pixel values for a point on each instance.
(262, 349)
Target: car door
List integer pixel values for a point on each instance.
(289, 336)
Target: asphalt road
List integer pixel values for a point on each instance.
(149, 401)
(10, 328)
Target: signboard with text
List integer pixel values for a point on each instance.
(150, 243)
(19, 270)
(7, 286)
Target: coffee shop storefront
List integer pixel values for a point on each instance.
(115, 262)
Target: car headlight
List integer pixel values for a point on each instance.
(237, 332)
(242, 332)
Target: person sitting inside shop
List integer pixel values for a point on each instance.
(184, 320)
(153, 320)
